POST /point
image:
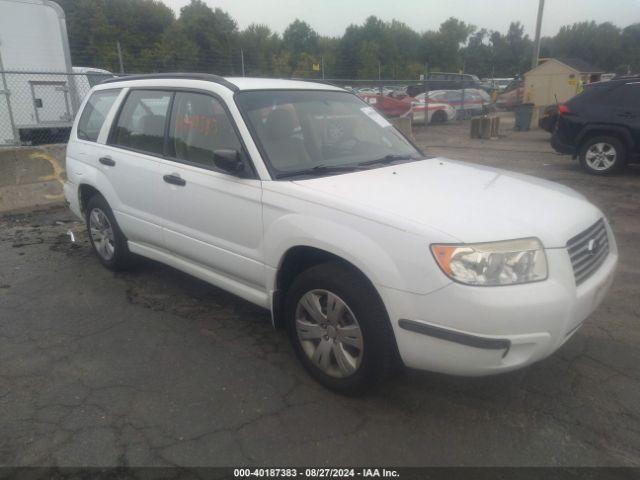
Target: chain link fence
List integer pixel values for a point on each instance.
(38, 107)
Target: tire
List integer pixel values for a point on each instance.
(362, 310)
(439, 117)
(107, 240)
(603, 155)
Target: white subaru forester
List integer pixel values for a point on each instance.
(300, 198)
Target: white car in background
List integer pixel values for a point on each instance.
(85, 78)
(303, 199)
(467, 101)
(437, 112)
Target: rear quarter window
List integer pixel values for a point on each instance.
(626, 96)
(141, 123)
(94, 114)
(592, 94)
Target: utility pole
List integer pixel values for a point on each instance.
(379, 71)
(322, 65)
(242, 60)
(120, 56)
(536, 44)
(426, 96)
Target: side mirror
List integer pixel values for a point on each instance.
(228, 161)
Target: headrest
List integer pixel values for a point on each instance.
(279, 124)
(152, 125)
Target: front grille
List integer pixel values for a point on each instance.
(588, 250)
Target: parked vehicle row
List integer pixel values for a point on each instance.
(443, 105)
(468, 102)
(444, 81)
(438, 112)
(495, 84)
(511, 95)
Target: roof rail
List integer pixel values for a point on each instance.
(208, 77)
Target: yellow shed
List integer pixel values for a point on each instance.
(557, 80)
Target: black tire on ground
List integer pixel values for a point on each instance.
(379, 355)
(122, 258)
(439, 117)
(608, 145)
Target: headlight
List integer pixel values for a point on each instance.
(495, 263)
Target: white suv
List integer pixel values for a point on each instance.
(300, 198)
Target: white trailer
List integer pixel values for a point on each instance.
(37, 93)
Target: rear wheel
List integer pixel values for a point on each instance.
(603, 155)
(108, 242)
(339, 328)
(439, 117)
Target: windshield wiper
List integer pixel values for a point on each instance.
(387, 159)
(318, 170)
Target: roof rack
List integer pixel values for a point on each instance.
(208, 77)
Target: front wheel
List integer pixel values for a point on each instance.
(339, 328)
(602, 155)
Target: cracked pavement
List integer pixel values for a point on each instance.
(153, 367)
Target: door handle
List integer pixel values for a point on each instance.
(627, 115)
(175, 180)
(107, 161)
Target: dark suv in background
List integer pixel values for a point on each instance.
(445, 81)
(601, 126)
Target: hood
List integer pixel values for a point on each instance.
(469, 202)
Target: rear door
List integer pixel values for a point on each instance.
(132, 162)
(626, 108)
(212, 218)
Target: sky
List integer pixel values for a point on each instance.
(331, 17)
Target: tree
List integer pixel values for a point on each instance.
(478, 54)
(259, 45)
(215, 34)
(630, 48)
(598, 44)
(299, 38)
(510, 53)
(208, 40)
(442, 49)
(176, 51)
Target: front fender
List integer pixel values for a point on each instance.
(626, 135)
(389, 257)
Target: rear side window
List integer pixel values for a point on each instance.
(592, 94)
(142, 121)
(199, 126)
(94, 114)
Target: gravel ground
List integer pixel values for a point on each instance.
(152, 367)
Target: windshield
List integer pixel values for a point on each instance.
(320, 132)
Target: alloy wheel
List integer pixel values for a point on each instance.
(601, 156)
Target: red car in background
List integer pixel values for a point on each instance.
(439, 112)
(388, 106)
(512, 95)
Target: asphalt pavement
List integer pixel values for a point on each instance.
(153, 367)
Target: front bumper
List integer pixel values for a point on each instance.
(474, 331)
